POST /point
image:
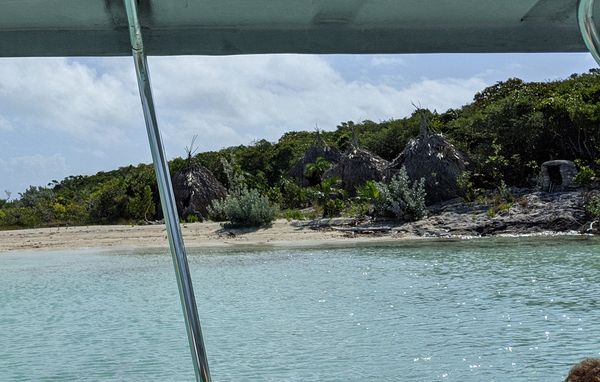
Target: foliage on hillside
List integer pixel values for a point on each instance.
(243, 207)
(508, 130)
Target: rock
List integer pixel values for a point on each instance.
(534, 212)
(557, 175)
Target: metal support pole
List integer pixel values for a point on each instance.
(587, 27)
(167, 198)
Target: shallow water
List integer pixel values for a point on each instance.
(480, 310)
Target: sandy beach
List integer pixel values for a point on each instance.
(208, 234)
(540, 214)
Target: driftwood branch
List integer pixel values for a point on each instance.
(362, 229)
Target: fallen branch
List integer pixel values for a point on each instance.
(362, 229)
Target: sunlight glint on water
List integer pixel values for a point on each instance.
(494, 310)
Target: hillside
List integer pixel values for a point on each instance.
(506, 132)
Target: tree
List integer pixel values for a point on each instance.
(315, 171)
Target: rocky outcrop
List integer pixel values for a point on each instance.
(532, 213)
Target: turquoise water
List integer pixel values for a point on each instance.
(483, 310)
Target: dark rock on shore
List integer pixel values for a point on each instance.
(531, 213)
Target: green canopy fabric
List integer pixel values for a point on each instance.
(222, 27)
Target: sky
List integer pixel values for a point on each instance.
(78, 116)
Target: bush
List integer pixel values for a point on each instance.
(592, 204)
(247, 208)
(216, 211)
(368, 192)
(503, 195)
(141, 206)
(401, 200)
(108, 203)
(328, 196)
(293, 195)
(191, 218)
(358, 209)
(243, 207)
(19, 217)
(293, 214)
(465, 184)
(585, 174)
(333, 208)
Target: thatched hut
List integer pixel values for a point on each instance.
(356, 167)
(195, 188)
(319, 149)
(432, 157)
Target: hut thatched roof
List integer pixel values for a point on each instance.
(432, 157)
(319, 149)
(356, 167)
(195, 188)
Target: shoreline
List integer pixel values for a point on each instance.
(196, 235)
(534, 214)
(211, 235)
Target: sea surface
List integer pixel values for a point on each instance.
(478, 310)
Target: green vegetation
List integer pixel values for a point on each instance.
(243, 207)
(248, 208)
(400, 199)
(121, 196)
(508, 130)
(587, 174)
(502, 200)
(592, 204)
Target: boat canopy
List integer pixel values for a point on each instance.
(226, 27)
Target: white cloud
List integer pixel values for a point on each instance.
(92, 105)
(226, 100)
(233, 100)
(65, 96)
(18, 173)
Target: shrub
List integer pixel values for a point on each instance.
(191, 218)
(585, 174)
(401, 200)
(503, 195)
(314, 171)
(248, 208)
(216, 211)
(19, 217)
(465, 183)
(501, 209)
(368, 192)
(141, 206)
(358, 209)
(333, 208)
(243, 207)
(592, 204)
(108, 203)
(328, 196)
(502, 200)
(293, 214)
(293, 195)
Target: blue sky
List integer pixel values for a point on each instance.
(61, 117)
